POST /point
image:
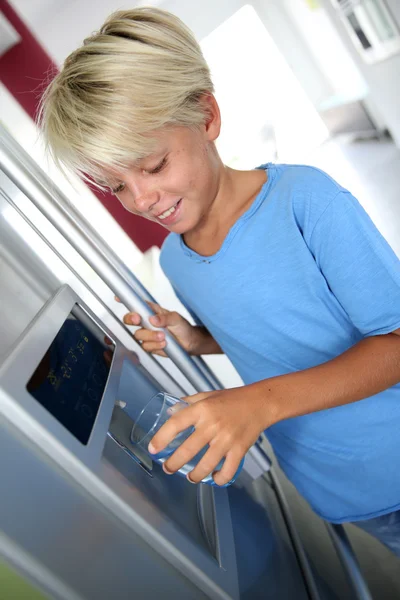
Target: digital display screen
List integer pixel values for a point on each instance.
(71, 378)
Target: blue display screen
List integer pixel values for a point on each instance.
(71, 378)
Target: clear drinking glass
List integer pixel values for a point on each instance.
(156, 412)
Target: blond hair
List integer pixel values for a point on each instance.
(143, 70)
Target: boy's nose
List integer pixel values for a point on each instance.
(144, 196)
(145, 201)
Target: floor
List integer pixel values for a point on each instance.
(371, 171)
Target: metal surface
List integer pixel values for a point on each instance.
(120, 432)
(349, 561)
(302, 557)
(20, 364)
(34, 572)
(77, 542)
(175, 531)
(17, 278)
(268, 568)
(146, 505)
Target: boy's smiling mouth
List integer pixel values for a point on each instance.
(171, 214)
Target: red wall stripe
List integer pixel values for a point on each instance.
(24, 70)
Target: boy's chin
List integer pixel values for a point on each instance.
(179, 228)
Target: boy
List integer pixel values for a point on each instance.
(281, 267)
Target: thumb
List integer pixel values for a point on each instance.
(156, 308)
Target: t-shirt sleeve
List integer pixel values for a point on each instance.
(360, 268)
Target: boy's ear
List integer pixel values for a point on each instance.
(213, 117)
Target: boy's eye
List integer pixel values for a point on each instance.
(118, 189)
(158, 168)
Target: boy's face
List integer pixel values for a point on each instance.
(177, 184)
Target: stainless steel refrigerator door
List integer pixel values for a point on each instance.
(161, 510)
(125, 491)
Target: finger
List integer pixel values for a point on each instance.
(147, 335)
(180, 421)
(156, 308)
(117, 299)
(160, 353)
(151, 341)
(229, 468)
(206, 465)
(108, 341)
(157, 320)
(132, 318)
(152, 347)
(185, 452)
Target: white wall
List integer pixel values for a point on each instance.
(296, 52)
(331, 55)
(383, 78)
(205, 16)
(62, 26)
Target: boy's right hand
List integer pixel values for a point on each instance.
(154, 341)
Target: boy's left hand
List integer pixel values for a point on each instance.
(229, 421)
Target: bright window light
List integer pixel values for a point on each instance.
(265, 112)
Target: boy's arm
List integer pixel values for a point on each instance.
(230, 421)
(205, 343)
(369, 367)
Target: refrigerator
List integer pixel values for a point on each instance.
(84, 514)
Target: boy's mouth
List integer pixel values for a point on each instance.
(170, 215)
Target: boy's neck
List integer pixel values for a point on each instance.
(236, 193)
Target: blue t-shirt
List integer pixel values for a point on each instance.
(302, 276)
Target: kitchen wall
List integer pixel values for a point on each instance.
(382, 78)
